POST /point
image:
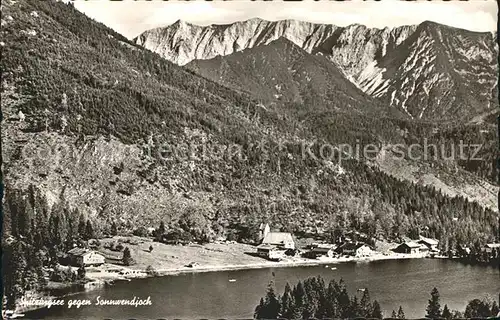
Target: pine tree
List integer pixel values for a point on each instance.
(344, 303)
(377, 311)
(24, 219)
(394, 315)
(259, 309)
(270, 306)
(287, 303)
(89, 231)
(160, 231)
(114, 229)
(299, 296)
(81, 272)
(127, 257)
(434, 308)
(401, 314)
(81, 226)
(365, 304)
(332, 308)
(446, 312)
(311, 302)
(494, 309)
(13, 271)
(355, 309)
(55, 237)
(41, 222)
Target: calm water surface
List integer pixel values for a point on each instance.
(210, 295)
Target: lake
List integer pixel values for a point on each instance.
(211, 295)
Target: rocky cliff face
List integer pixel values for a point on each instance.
(438, 72)
(426, 71)
(182, 42)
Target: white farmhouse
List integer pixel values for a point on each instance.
(84, 257)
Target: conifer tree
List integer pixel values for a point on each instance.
(394, 315)
(89, 231)
(344, 303)
(114, 229)
(446, 312)
(401, 314)
(355, 309)
(259, 309)
(25, 218)
(55, 229)
(127, 257)
(377, 311)
(270, 306)
(299, 296)
(287, 303)
(494, 309)
(434, 308)
(160, 231)
(81, 272)
(81, 226)
(331, 304)
(365, 304)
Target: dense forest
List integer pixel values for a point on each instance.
(313, 298)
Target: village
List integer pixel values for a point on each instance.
(276, 246)
(121, 258)
(95, 263)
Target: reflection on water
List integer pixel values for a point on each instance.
(211, 295)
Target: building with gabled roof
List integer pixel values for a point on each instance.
(431, 244)
(490, 247)
(84, 257)
(270, 252)
(411, 247)
(325, 250)
(357, 249)
(282, 240)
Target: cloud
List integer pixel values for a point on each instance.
(133, 17)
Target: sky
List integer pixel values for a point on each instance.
(130, 18)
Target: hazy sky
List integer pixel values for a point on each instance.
(132, 17)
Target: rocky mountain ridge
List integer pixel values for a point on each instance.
(399, 65)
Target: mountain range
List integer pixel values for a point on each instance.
(427, 71)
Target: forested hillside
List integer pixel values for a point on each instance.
(282, 72)
(84, 87)
(311, 89)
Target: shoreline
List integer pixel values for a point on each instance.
(303, 262)
(107, 274)
(95, 283)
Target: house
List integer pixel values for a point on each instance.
(356, 249)
(463, 250)
(491, 247)
(431, 244)
(84, 257)
(323, 251)
(150, 231)
(282, 240)
(411, 247)
(270, 252)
